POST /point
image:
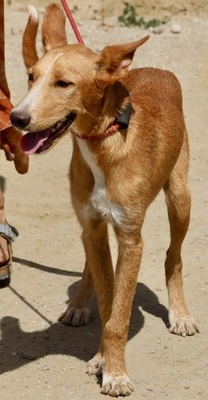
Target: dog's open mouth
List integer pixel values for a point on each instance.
(39, 141)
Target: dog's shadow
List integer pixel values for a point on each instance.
(18, 347)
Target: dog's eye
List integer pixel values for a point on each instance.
(61, 83)
(30, 77)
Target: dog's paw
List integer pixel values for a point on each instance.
(116, 385)
(75, 316)
(95, 366)
(184, 326)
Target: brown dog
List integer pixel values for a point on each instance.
(129, 141)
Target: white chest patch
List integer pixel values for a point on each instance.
(100, 203)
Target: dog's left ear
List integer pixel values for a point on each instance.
(53, 28)
(113, 62)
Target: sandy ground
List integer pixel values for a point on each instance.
(40, 358)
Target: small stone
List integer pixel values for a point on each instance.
(149, 389)
(175, 27)
(28, 355)
(45, 368)
(198, 178)
(157, 30)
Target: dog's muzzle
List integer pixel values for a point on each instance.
(39, 141)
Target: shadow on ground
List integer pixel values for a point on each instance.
(18, 347)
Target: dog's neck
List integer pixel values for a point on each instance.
(120, 123)
(113, 114)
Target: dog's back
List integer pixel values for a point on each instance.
(157, 122)
(160, 85)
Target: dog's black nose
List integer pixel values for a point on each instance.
(20, 120)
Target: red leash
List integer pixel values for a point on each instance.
(72, 22)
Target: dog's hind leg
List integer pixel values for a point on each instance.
(178, 203)
(78, 310)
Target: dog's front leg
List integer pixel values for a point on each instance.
(115, 378)
(115, 330)
(95, 240)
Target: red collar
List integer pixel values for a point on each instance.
(113, 129)
(121, 122)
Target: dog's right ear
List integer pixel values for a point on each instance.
(53, 29)
(29, 51)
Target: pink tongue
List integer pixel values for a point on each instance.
(31, 141)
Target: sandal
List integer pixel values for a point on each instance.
(9, 233)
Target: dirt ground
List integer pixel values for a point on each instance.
(40, 358)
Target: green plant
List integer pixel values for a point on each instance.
(130, 18)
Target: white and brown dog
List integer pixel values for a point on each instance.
(129, 142)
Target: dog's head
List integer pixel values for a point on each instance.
(67, 85)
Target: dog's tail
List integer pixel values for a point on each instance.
(29, 51)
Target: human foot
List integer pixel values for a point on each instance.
(7, 235)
